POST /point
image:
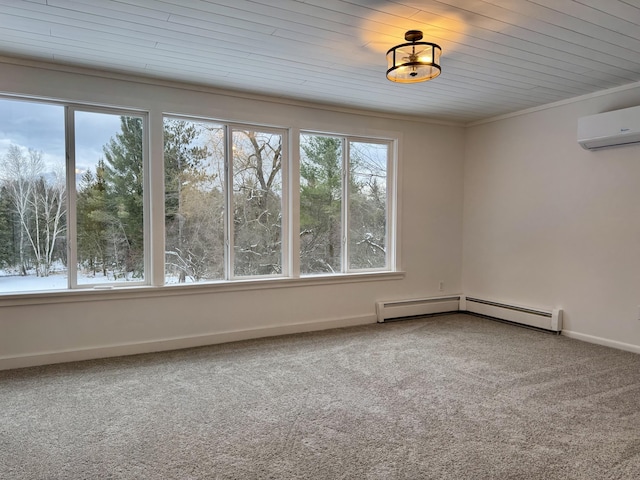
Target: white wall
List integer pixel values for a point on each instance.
(549, 224)
(104, 323)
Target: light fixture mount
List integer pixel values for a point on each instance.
(415, 61)
(413, 36)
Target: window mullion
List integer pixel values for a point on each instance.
(229, 206)
(345, 205)
(70, 150)
(390, 208)
(290, 197)
(153, 143)
(147, 210)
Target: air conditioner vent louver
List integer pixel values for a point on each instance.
(609, 129)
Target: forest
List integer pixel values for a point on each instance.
(217, 226)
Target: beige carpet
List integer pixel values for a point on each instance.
(446, 397)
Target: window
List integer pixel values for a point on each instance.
(195, 201)
(76, 222)
(223, 201)
(33, 206)
(109, 242)
(257, 202)
(75, 204)
(344, 204)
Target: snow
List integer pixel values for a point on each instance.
(32, 283)
(10, 282)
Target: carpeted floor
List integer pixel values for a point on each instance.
(446, 397)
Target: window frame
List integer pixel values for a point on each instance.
(72, 194)
(228, 128)
(390, 205)
(284, 200)
(153, 210)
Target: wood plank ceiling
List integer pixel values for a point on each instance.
(499, 56)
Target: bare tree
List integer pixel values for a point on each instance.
(192, 202)
(39, 205)
(257, 209)
(49, 205)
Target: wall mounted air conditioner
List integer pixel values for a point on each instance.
(609, 129)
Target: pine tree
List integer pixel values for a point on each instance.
(320, 204)
(123, 174)
(8, 234)
(95, 223)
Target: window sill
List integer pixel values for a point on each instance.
(134, 292)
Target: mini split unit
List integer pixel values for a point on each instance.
(610, 129)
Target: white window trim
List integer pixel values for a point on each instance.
(284, 203)
(391, 255)
(72, 220)
(229, 232)
(130, 292)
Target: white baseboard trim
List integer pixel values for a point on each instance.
(119, 350)
(602, 341)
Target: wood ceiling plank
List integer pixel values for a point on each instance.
(111, 8)
(619, 9)
(84, 35)
(188, 35)
(539, 76)
(595, 20)
(548, 35)
(274, 17)
(565, 26)
(20, 24)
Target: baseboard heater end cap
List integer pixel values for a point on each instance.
(556, 320)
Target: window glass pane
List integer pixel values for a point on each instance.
(320, 204)
(257, 203)
(32, 197)
(109, 183)
(367, 205)
(194, 201)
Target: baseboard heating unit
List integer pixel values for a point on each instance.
(539, 318)
(545, 319)
(396, 309)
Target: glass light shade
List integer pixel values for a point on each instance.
(413, 62)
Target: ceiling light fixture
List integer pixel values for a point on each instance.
(415, 61)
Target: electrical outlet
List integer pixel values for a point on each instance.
(441, 286)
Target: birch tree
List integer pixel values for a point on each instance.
(39, 205)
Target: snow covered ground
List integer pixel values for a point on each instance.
(12, 283)
(31, 283)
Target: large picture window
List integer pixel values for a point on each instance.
(71, 197)
(33, 205)
(109, 241)
(257, 202)
(223, 201)
(195, 200)
(344, 204)
(76, 210)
